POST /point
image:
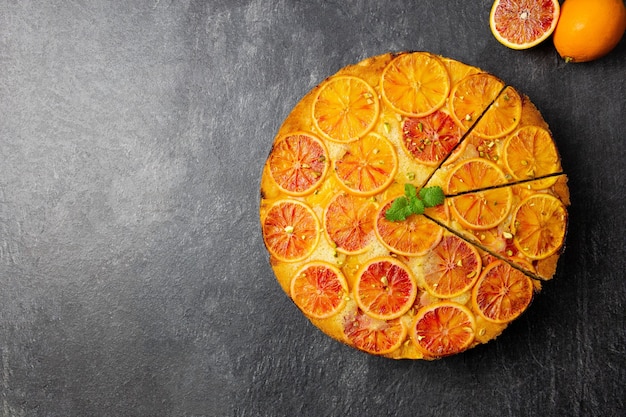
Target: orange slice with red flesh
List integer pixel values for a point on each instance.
(375, 336)
(538, 226)
(290, 230)
(345, 108)
(411, 237)
(385, 288)
(349, 223)
(415, 84)
(451, 268)
(319, 289)
(443, 329)
(522, 24)
(502, 292)
(430, 139)
(298, 163)
(368, 165)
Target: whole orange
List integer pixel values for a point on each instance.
(589, 29)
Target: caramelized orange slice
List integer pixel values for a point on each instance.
(345, 108)
(451, 267)
(431, 138)
(502, 117)
(443, 329)
(502, 293)
(415, 84)
(411, 237)
(471, 96)
(319, 289)
(290, 230)
(368, 165)
(373, 335)
(349, 222)
(385, 288)
(538, 226)
(530, 153)
(298, 163)
(480, 209)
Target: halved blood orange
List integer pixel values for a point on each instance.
(372, 335)
(429, 139)
(415, 84)
(298, 163)
(538, 225)
(290, 230)
(522, 24)
(411, 237)
(502, 292)
(451, 267)
(349, 222)
(345, 108)
(368, 165)
(471, 96)
(385, 288)
(530, 153)
(480, 209)
(502, 117)
(319, 289)
(443, 328)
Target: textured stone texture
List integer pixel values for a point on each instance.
(133, 277)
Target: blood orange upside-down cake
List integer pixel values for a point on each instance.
(412, 205)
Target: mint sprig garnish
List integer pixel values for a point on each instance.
(413, 202)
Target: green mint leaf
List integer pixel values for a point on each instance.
(414, 202)
(416, 205)
(432, 196)
(407, 212)
(397, 211)
(410, 190)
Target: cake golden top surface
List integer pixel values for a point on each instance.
(374, 141)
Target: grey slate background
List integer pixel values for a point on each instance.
(133, 277)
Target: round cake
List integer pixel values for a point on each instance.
(412, 205)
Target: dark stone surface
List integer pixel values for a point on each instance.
(133, 277)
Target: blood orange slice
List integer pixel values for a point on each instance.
(411, 237)
(443, 329)
(431, 138)
(319, 289)
(502, 293)
(349, 222)
(481, 209)
(415, 84)
(298, 163)
(522, 24)
(530, 152)
(290, 230)
(372, 335)
(538, 226)
(345, 108)
(451, 267)
(385, 288)
(368, 165)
